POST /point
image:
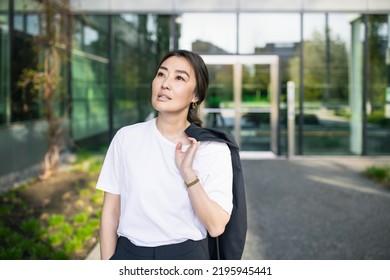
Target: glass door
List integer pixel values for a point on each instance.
(243, 99)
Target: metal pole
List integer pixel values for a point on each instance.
(326, 97)
(387, 97)
(110, 79)
(366, 80)
(10, 89)
(301, 90)
(291, 118)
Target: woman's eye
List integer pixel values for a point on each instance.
(180, 78)
(160, 74)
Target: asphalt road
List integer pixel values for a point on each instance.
(316, 209)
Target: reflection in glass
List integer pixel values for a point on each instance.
(222, 120)
(220, 91)
(277, 34)
(208, 32)
(239, 102)
(326, 80)
(32, 26)
(256, 101)
(261, 33)
(255, 86)
(139, 43)
(218, 109)
(89, 77)
(378, 99)
(19, 22)
(4, 69)
(25, 101)
(255, 134)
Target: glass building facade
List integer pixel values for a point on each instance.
(338, 57)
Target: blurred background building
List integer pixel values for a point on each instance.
(336, 52)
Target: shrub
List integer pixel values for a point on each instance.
(379, 174)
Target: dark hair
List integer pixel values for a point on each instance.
(201, 76)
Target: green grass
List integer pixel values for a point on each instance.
(380, 174)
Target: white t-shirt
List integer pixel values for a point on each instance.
(155, 206)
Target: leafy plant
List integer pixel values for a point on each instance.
(44, 81)
(80, 218)
(56, 220)
(379, 174)
(40, 231)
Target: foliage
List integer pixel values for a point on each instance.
(322, 67)
(51, 45)
(377, 78)
(378, 117)
(379, 174)
(36, 226)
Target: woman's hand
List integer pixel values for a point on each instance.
(184, 160)
(210, 214)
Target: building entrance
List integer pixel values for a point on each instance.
(243, 100)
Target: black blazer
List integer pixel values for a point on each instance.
(229, 245)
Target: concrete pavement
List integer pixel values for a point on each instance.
(314, 208)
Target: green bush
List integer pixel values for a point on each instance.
(31, 227)
(378, 117)
(56, 220)
(379, 174)
(80, 218)
(34, 232)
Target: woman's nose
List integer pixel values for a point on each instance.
(165, 83)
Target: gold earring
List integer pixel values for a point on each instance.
(193, 105)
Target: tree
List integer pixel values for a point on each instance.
(325, 76)
(377, 46)
(52, 45)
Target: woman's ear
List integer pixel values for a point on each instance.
(195, 98)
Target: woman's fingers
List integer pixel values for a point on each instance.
(179, 146)
(194, 143)
(184, 160)
(193, 147)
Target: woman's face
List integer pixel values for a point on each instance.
(173, 87)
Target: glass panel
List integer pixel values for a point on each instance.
(283, 40)
(32, 24)
(326, 80)
(90, 77)
(29, 56)
(222, 120)
(255, 86)
(26, 100)
(256, 99)
(139, 42)
(220, 92)
(255, 134)
(208, 33)
(94, 34)
(378, 101)
(4, 65)
(219, 103)
(19, 22)
(256, 36)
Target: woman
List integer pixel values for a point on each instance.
(164, 191)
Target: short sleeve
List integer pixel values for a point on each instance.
(217, 179)
(108, 180)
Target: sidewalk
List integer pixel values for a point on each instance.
(314, 208)
(94, 254)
